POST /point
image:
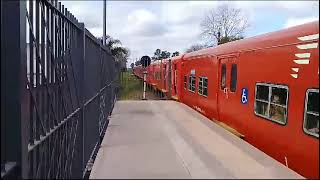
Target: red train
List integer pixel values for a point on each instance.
(265, 87)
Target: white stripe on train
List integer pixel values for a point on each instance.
(308, 46)
(301, 61)
(295, 69)
(309, 37)
(302, 55)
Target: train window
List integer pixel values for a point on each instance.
(185, 82)
(278, 104)
(223, 76)
(164, 80)
(262, 98)
(189, 83)
(233, 80)
(200, 86)
(192, 83)
(271, 102)
(311, 113)
(203, 86)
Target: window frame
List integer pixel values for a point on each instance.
(305, 113)
(190, 83)
(185, 82)
(270, 86)
(201, 79)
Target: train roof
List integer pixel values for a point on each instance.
(159, 61)
(167, 59)
(277, 38)
(177, 57)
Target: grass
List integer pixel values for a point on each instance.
(131, 87)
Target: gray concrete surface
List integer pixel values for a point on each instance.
(167, 139)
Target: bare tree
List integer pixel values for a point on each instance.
(224, 24)
(195, 47)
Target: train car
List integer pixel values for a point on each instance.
(158, 74)
(172, 88)
(267, 88)
(176, 80)
(138, 71)
(148, 77)
(166, 76)
(163, 85)
(152, 75)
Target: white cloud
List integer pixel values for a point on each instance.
(144, 23)
(298, 21)
(185, 12)
(86, 12)
(144, 26)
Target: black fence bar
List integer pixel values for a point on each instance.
(58, 85)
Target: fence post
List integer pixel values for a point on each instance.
(82, 99)
(80, 54)
(13, 88)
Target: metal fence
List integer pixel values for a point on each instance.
(58, 87)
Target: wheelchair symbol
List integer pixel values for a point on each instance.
(244, 96)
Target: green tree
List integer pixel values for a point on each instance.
(120, 53)
(175, 54)
(165, 54)
(157, 54)
(116, 48)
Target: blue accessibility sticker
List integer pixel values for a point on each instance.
(244, 96)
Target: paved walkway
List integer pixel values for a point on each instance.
(167, 139)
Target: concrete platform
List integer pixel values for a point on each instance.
(167, 139)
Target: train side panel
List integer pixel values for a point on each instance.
(207, 105)
(290, 145)
(285, 142)
(286, 74)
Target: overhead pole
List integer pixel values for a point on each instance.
(104, 21)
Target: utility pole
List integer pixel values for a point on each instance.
(104, 21)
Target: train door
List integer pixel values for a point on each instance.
(175, 79)
(164, 76)
(227, 86)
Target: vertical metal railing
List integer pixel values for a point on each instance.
(57, 90)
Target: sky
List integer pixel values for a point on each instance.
(144, 26)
